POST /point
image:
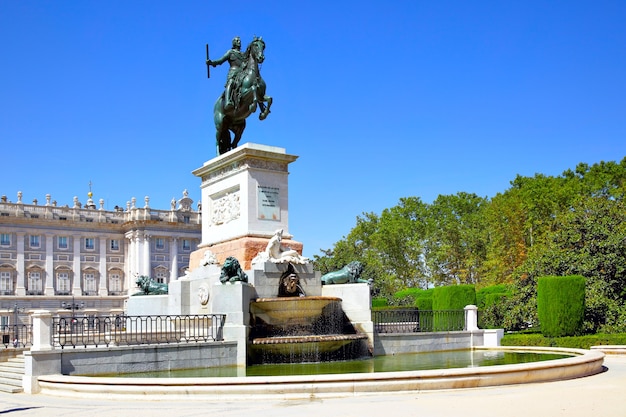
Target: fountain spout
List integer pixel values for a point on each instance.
(289, 284)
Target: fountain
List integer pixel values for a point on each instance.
(275, 304)
(277, 310)
(302, 329)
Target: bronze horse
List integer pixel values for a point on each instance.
(249, 92)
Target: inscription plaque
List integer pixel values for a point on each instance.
(268, 203)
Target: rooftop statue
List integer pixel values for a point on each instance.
(244, 90)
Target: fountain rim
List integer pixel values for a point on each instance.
(582, 363)
(307, 297)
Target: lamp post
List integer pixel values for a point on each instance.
(16, 336)
(74, 307)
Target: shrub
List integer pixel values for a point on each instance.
(414, 293)
(484, 293)
(424, 304)
(493, 312)
(577, 342)
(379, 302)
(561, 305)
(453, 297)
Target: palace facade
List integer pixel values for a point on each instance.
(83, 257)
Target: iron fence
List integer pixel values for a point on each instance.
(412, 320)
(136, 330)
(17, 335)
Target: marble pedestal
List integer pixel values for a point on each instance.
(244, 201)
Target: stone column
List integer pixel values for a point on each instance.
(102, 267)
(146, 255)
(173, 259)
(128, 284)
(20, 289)
(130, 264)
(42, 329)
(471, 318)
(76, 241)
(49, 290)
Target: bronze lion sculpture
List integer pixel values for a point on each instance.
(349, 274)
(149, 286)
(232, 272)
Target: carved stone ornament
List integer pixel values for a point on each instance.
(203, 294)
(225, 209)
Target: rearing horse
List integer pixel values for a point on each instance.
(249, 91)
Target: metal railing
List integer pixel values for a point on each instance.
(135, 330)
(412, 320)
(17, 335)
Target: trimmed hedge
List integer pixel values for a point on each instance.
(379, 302)
(483, 294)
(424, 304)
(561, 305)
(454, 297)
(451, 297)
(576, 342)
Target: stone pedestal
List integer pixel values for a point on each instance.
(244, 249)
(233, 299)
(265, 277)
(356, 303)
(244, 201)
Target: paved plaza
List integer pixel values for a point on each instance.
(602, 395)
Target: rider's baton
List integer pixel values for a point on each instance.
(208, 67)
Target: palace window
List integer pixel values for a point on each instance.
(5, 239)
(90, 243)
(115, 245)
(34, 241)
(62, 242)
(35, 284)
(115, 283)
(160, 243)
(6, 283)
(186, 244)
(63, 283)
(161, 276)
(89, 283)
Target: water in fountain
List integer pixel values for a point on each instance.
(302, 329)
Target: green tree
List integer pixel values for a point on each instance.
(456, 244)
(589, 240)
(507, 243)
(389, 246)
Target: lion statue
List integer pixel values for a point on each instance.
(232, 272)
(349, 274)
(149, 286)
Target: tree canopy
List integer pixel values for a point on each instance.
(574, 223)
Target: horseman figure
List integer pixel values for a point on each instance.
(235, 58)
(244, 90)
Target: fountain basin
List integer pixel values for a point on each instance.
(287, 311)
(307, 387)
(286, 345)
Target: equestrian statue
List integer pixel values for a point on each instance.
(243, 92)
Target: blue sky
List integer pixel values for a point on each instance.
(380, 100)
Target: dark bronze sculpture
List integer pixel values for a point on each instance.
(232, 272)
(349, 274)
(150, 287)
(244, 90)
